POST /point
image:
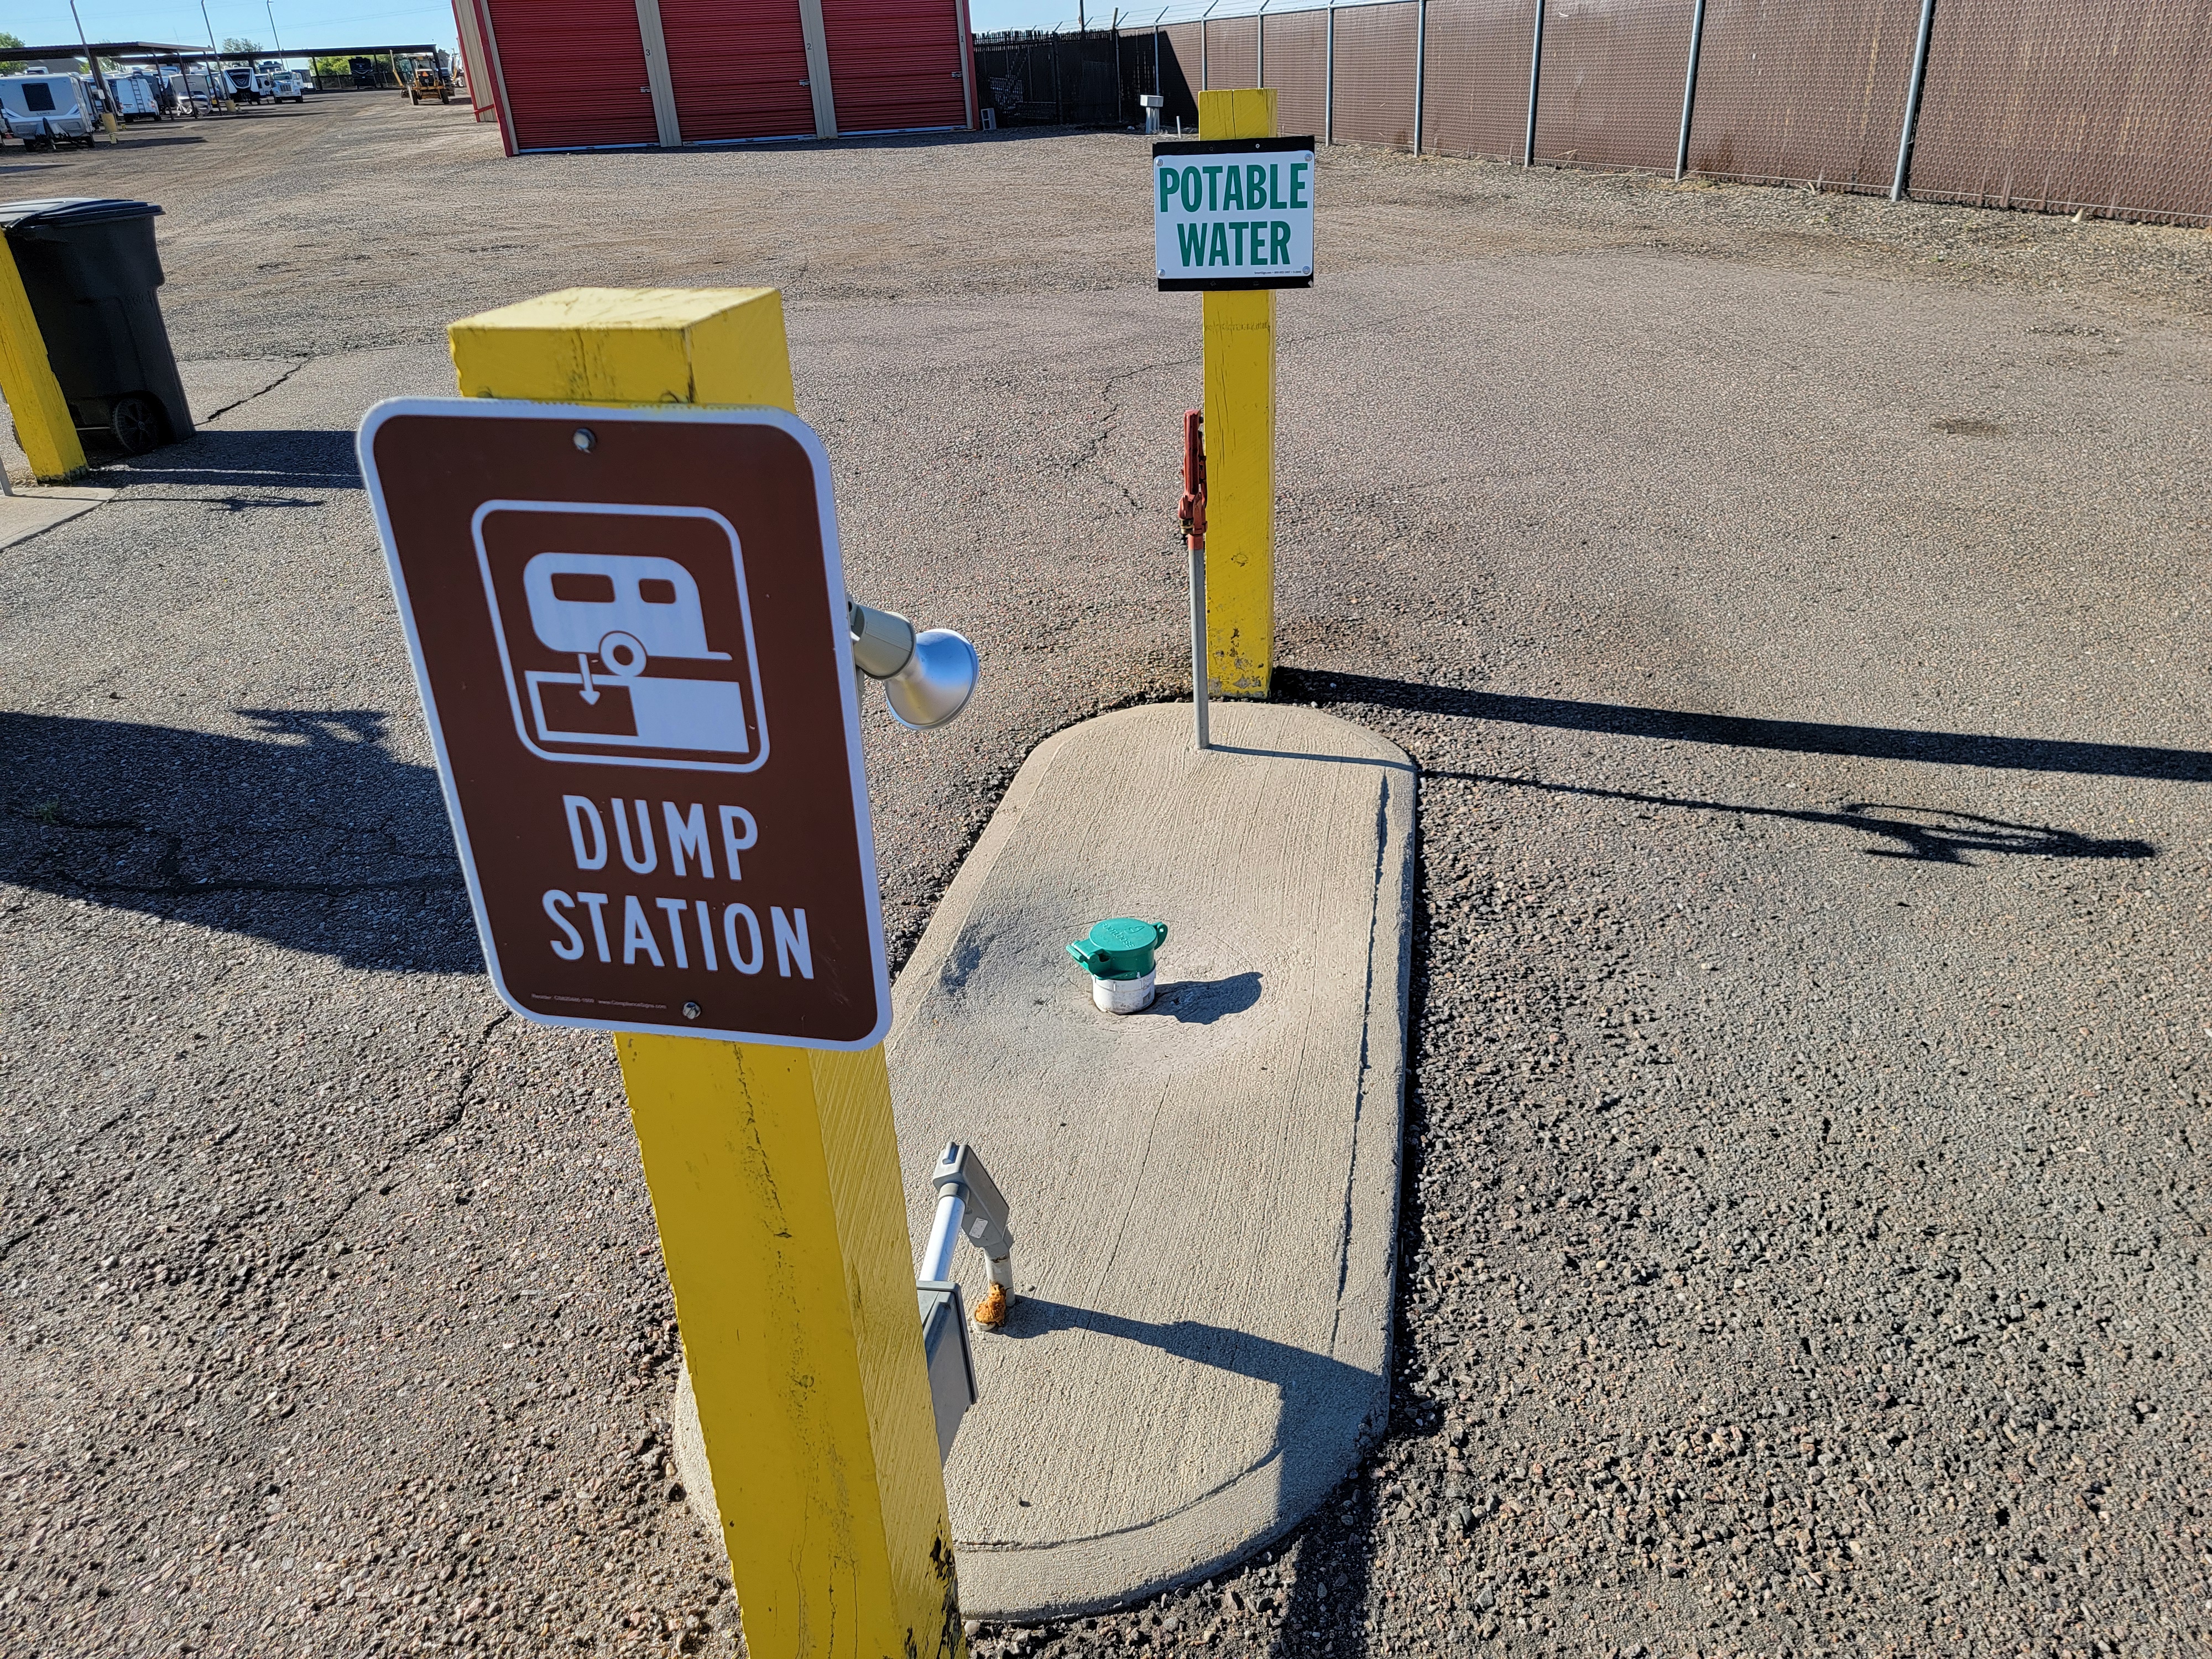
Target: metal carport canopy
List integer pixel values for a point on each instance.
(127, 52)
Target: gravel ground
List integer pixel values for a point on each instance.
(1793, 603)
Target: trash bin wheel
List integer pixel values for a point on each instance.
(135, 423)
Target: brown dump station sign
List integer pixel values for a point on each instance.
(628, 628)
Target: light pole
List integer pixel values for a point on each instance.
(215, 66)
(270, 6)
(98, 79)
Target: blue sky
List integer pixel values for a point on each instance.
(349, 22)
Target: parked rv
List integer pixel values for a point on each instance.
(47, 111)
(192, 89)
(248, 86)
(137, 96)
(182, 93)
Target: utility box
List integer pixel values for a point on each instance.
(92, 272)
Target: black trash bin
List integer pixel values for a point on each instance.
(90, 268)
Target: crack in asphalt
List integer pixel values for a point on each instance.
(281, 1267)
(1112, 422)
(242, 402)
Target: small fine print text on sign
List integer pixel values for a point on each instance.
(1234, 214)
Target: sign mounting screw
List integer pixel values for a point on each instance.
(691, 1011)
(586, 439)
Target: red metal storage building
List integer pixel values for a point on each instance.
(621, 74)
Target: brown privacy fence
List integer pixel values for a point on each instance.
(2061, 105)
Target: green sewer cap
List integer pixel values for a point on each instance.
(1121, 948)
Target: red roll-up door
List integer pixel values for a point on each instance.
(740, 69)
(574, 72)
(895, 63)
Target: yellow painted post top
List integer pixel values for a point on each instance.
(629, 345)
(43, 424)
(1239, 112)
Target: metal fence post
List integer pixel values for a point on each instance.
(1159, 47)
(1260, 44)
(1420, 67)
(1535, 69)
(1690, 90)
(1329, 82)
(1912, 100)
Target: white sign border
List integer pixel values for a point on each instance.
(1287, 144)
(573, 415)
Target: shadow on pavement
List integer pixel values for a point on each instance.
(1802, 737)
(1312, 1386)
(293, 458)
(312, 836)
(1931, 835)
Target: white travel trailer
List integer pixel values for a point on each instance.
(137, 96)
(45, 111)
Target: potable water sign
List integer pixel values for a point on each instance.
(1234, 213)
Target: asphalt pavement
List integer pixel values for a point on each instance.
(1793, 604)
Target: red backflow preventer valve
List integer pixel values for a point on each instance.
(1192, 509)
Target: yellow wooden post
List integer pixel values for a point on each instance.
(34, 397)
(774, 1172)
(1240, 446)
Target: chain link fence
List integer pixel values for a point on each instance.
(1474, 96)
(1294, 60)
(2064, 105)
(1091, 79)
(1611, 91)
(2070, 106)
(1798, 95)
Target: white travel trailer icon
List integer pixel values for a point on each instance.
(647, 673)
(626, 608)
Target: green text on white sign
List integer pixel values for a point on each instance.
(1236, 216)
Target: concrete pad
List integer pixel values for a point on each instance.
(34, 508)
(1205, 1194)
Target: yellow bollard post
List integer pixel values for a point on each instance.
(773, 1171)
(1240, 446)
(35, 397)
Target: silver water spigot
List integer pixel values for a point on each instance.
(969, 1205)
(928, 676)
